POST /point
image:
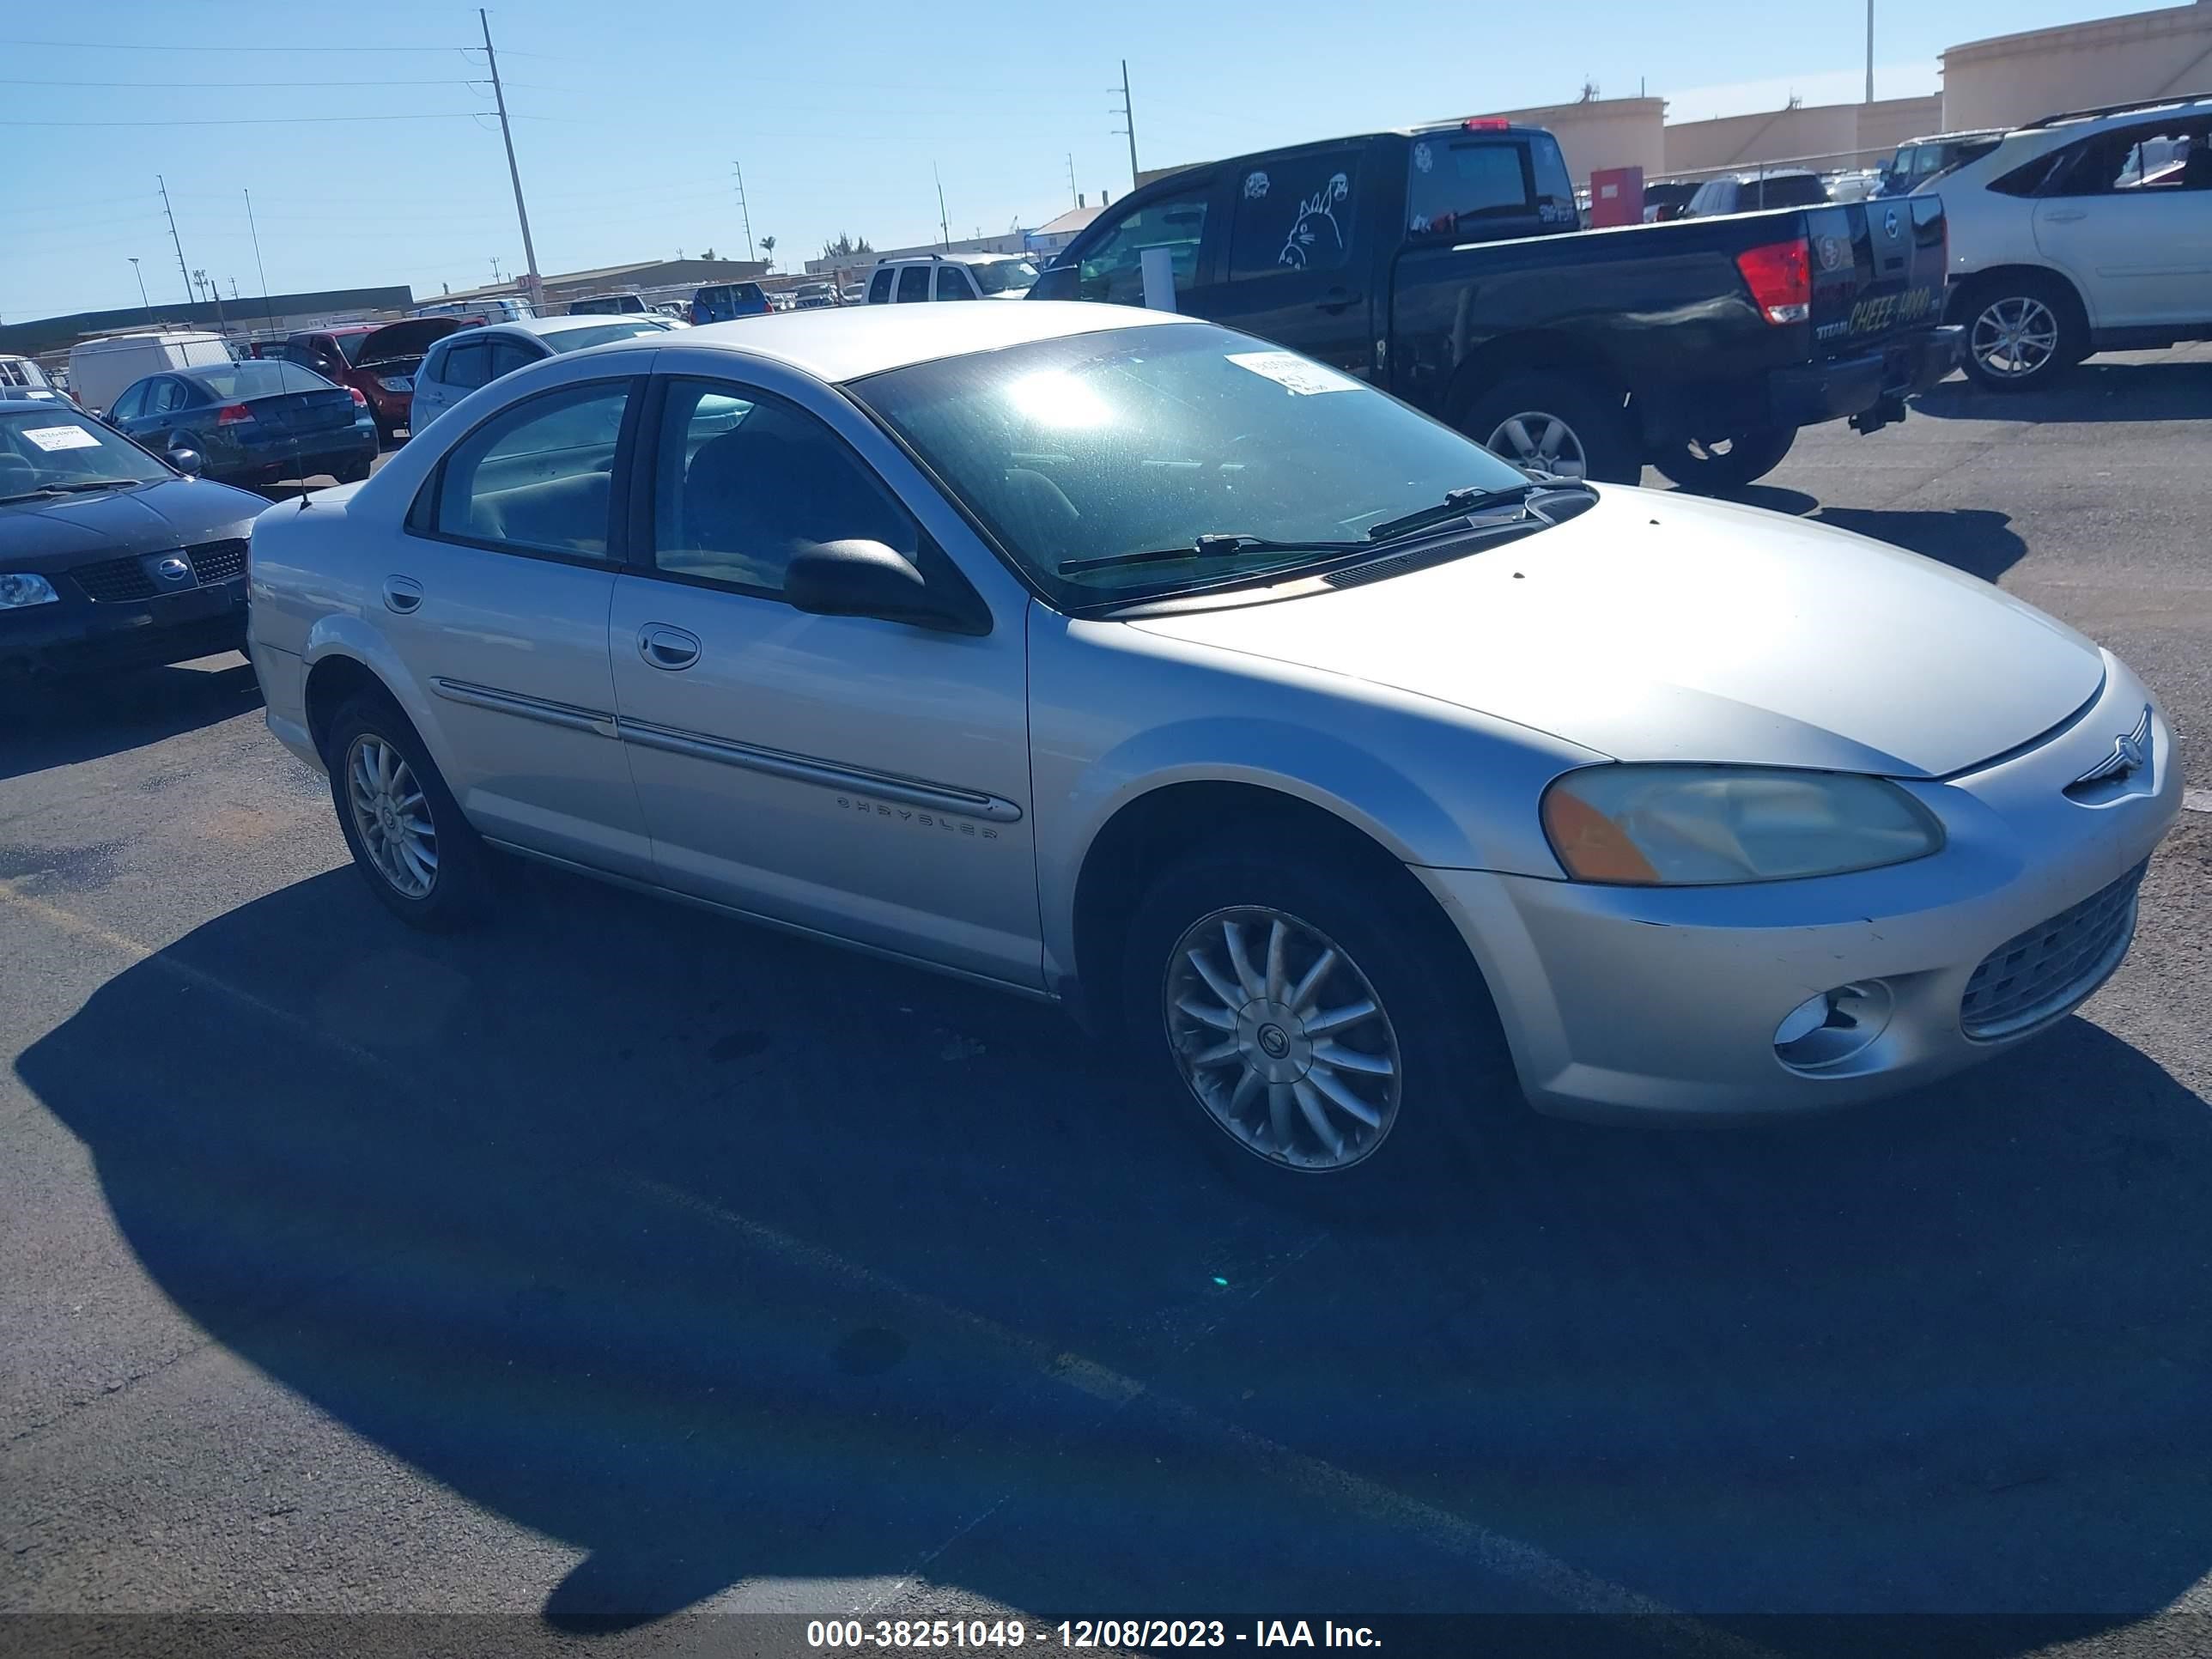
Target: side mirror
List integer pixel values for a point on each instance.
(186, 461)
(866, 579)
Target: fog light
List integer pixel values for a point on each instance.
(1822, 1032)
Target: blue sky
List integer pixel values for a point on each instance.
(628, 116)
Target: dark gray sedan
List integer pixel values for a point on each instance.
(110, 557)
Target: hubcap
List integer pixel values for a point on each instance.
(1282, 1039)
(2013, 338)
(1543, 442)
(393, 815)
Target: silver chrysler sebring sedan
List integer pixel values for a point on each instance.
(1367, 786)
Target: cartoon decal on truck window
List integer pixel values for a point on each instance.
(1315, 238)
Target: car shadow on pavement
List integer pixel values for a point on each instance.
(594, 1215)
(60, 722)
(2094, 391)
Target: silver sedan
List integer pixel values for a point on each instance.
(1366, 786)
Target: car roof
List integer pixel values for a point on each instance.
(44, 406)
(952, 258)
(840, 344)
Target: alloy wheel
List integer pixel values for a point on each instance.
(1540, 442)
(393, 815)
(1282, 1039)
(2014, 337)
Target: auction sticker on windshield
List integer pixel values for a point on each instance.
(1287, 368)
(61, 437)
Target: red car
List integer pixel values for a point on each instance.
(378, 359)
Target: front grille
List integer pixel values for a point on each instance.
(114, 581)
(217, 561)
(2047, 969)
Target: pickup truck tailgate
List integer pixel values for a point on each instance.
(1878, 270)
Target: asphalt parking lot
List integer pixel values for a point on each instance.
(618, 1263)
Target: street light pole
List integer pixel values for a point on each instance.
(143, 302)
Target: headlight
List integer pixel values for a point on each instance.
(1686, 826)
(18, 591)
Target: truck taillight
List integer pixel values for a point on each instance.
(232, 414)
(360, 400)
(1780, 277)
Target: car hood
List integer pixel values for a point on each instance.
(409, 338)
(69, 530)
(1657, 627)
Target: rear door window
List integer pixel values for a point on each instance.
(913, 283)
(1294, 213)
(952, 283)
(468, 365)
(1453, 182)
(538, 476)
(507, 356)
(879, 288)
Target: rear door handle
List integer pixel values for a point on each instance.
(1336, 300)
(668, 647)
(401, 593)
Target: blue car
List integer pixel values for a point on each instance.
(110, 558)
(718, 303)
(251, 422)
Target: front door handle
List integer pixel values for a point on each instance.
(401, 593)
(668, 647)
(2064, 215)
(1336, 300)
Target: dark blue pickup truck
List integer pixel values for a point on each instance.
(1448, 265)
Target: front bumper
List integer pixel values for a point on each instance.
(1624, 1003)
(75, 636)
(1808, 394)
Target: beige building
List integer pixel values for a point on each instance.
(1822, 136)
(2021, 77)
(1602, 132)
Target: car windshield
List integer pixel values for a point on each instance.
(1003, 275)
(47, 449)
(575, 339)
(258, 378)
(352, 344)
(1096, 446)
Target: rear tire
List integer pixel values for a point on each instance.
(1715, 466)
(1347, 1116)
(407, 837)
(2023, 332)
(1557, 423)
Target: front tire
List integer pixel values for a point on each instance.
(407, 837)
(2023, 332)
(1715, 466)
(1554, 423)
(1314, 1032)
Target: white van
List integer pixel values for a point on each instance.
(100, 370)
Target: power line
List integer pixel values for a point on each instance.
(140, 45)
(193, 86)
(253, 120)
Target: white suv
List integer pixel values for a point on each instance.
(2082, 233)
(952, 276)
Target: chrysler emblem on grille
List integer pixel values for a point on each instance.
(2131, 751)
(173, 569)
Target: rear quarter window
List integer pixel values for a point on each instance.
(1452, 182)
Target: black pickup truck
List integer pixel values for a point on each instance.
(1447, 265)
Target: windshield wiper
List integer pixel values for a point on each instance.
(1206, 547)
(1458, 504)
(79, 486)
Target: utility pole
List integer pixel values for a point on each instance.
(1869, 97)
(944, 230)
(266, 310)
(1074, 197)
(183, 270)
(746, 208)
(147, 303)
(213, 294)
(1129, 121)
(514, 174)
